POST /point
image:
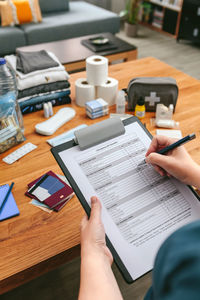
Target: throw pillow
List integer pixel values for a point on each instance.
(52, 6)
(19, 12)
(23, 10)
(6, 14)
(27, 11)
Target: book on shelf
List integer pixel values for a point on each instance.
(158, 16)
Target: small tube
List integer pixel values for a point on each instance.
(167, 123)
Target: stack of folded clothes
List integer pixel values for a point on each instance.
(40, 78)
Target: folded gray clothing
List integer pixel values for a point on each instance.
(28, 62)
(44, 88)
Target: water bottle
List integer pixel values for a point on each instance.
(11, 122)
(8, 94)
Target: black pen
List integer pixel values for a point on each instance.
(177, 144)
(6, 196)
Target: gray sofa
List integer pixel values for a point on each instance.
(61, 20)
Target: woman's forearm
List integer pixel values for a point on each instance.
(194, 176)
(97, 279)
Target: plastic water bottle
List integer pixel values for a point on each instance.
(120, 102)
(8, 93)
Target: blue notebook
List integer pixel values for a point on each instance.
(10, 208)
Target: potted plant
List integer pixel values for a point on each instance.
(130, 14)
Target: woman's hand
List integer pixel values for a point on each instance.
(177, 163)
(97, 279)
(93, 234)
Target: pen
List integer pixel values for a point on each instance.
(177, 144)
(6, 196)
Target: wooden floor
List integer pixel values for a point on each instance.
(181, 55)
(63, 283)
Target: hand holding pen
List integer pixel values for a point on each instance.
(177, 162)
(178, 143)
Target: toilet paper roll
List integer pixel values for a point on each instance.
(97, 69)
(108, 91)
(83, 91)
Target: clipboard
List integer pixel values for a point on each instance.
(114, 129)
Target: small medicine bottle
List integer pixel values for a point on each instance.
(120, 102)
(140, 108)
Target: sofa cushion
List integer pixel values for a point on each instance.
(82, 19)
(11, 38)
(51, 6)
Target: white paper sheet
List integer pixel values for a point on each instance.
(140, 209)
(176, 134)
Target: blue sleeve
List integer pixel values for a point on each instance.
(176, 274)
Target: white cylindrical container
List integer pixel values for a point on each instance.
(108, 91)
(167, 123)
(84, 91)
(97, 69)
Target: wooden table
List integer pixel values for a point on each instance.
(72, 54)
(36, 242)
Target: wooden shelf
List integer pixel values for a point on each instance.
(157, 29)
(166, 5)
(166, 8)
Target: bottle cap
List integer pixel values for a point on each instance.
(140, 101)
(2, 61)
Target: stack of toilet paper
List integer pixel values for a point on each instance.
(97, 84)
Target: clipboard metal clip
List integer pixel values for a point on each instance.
(99, 133)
